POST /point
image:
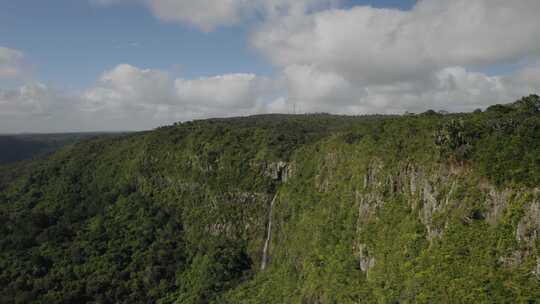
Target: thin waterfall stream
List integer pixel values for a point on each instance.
(264, 261)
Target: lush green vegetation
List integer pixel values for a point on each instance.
(427, 208)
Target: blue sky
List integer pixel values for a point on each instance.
(104, 65)
(70, 43)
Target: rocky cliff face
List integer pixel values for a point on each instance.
(438, 202)
(279, 171)
(432, 194)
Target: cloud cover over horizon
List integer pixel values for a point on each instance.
(357, 60)
(10, 63)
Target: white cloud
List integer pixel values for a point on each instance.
(453, 88)
(128, 97)
(367, 60)
(124, 98)
(10, 63)
(366, 44)
(34, 107)
(210, 14)
(27, 100)
(232, 91)
(143, 86)
(206, 14)
(307, 83)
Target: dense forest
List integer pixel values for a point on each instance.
(425, 208)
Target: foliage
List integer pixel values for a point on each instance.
(180, 214)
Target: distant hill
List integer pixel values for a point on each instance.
(421, 208)
(25, 146)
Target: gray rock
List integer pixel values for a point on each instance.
(528, 228)
(496, 203)
(366, 261)
(279, 170)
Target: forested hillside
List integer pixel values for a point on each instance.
(19, 147)
(424, 208)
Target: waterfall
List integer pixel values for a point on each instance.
(268, 235)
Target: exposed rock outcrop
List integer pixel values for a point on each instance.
(279, 171)
(496, 203)
(368, 203)
(528, 228)
(430, 206)
(514, 259)
(366, 260)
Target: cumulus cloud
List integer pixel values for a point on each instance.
(124, 98)
(210, 14)
(128, 84)
(378, 45)
(454, 89)
(10, 62)
(35, 107)
(232, 91)
(366, 59)
(131, 98)
(28, 100)
(144, 98)
(206, 14)
(308, 85)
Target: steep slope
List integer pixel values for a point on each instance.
(284, 209)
